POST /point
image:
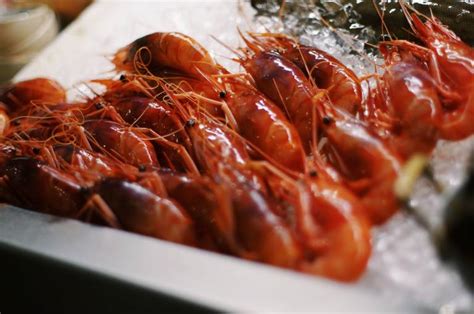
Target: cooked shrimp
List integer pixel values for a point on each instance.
(160, 50)
(342, 84)
(284, 83)
(411, 98)
(223, 156)
(452, 64)
(256, 118)
(208, 204)
(263, 124)
(141, 211)
(344, 231)
(329, 222)
(363, 160)
(155, 115)
(121, 142)
(35, 185)
(39, 90)
(241, 104)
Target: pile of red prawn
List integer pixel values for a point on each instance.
(289, 163)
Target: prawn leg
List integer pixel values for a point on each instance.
(97, 204)
(175, 154)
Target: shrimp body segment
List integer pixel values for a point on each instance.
(152, 114)
(141, 211)
(124, 142)
(261, 232)
(38, 186)
(285, 84)
(208, 204)
(341, 83)
(265, 125)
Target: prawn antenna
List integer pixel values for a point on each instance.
(282, 9)
(226, 46)
(382, 20)
(251, 44)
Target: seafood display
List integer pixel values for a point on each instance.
(290, 162)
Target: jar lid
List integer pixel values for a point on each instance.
(26, 29)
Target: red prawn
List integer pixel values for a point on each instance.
(38, 90)
(364, 161)
(451, 62)
(342, 84)
(161, 50)
(285, 84)
(411, 97)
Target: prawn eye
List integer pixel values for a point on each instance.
(313, 173)
(141, 168)
(83, 190)
(36, 150)
(122, 78)
(98, 106)
(327, 120)
(222, 94)
(190, 123)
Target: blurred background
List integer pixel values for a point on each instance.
(28, 26)
(362, 18)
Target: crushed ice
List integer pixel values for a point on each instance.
(404, 265)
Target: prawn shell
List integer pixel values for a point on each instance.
(328, 73)
(152, 114)
(367, 164)
(207, 203)
(38, 90)
(139, 210)
(91, 166)
(261, 232)
(454, 68)
(414, 100)
(345, 232)
(173, 50)
(117, 139)
(286, 85)
(264, 125)
(40, 187)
